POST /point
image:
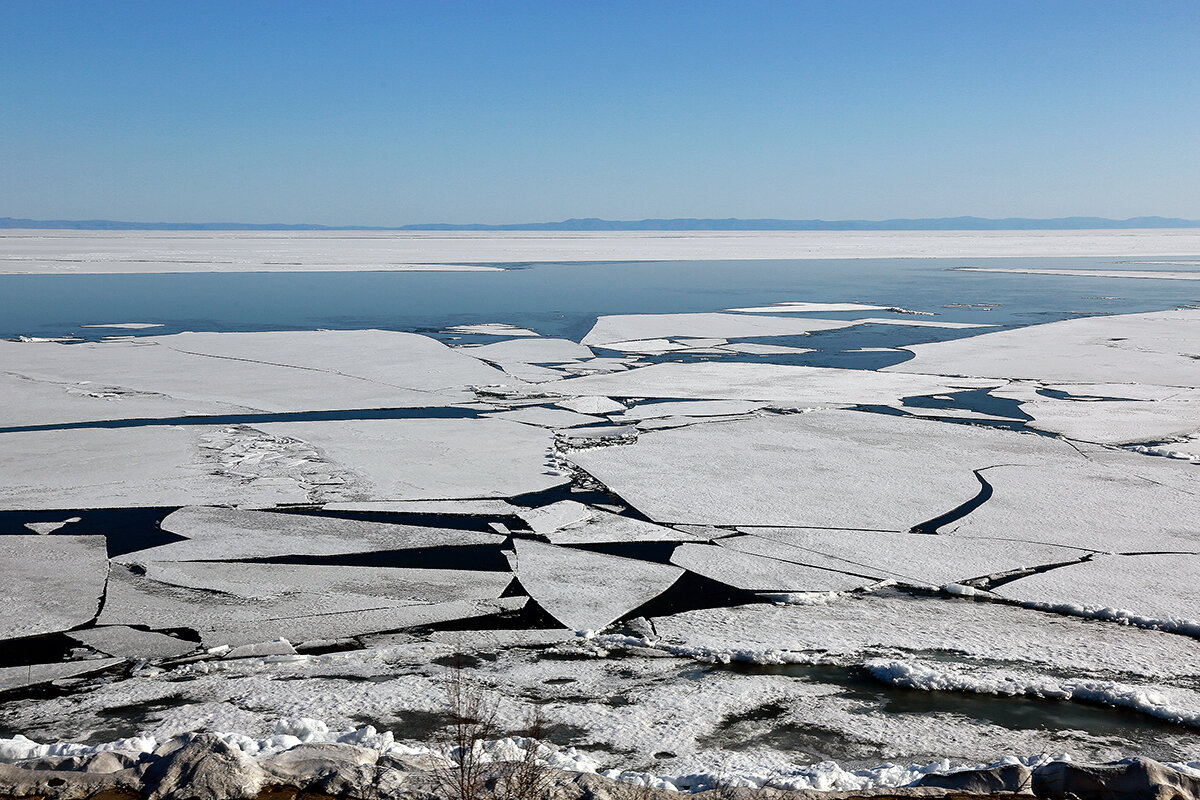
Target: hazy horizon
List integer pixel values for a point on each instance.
(595, 224)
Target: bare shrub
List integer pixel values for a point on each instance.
(471, 774)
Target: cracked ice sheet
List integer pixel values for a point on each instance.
(779, 384)
(51, 583)
(1154, 587)
(1110, 421)
(1157, 348)
(910, 558)
(225, 534)
(434, 459)
(633, 327)
(587, 591)
(298, 616)
(291, 371)
(127, 467)
(758, 574)
(1088, 505)
(822, 469)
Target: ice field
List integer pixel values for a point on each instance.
(831, 523)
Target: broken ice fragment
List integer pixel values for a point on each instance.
(587, 591)
(51, 583)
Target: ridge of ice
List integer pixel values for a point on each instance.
(929, 677)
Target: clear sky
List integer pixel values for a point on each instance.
(395, 113)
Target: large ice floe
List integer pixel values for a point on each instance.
(828, 468)
(1158, 348)
(700, 574)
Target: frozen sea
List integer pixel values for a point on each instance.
(950, 510)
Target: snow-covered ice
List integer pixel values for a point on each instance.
(783, 481)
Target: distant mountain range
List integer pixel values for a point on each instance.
(593, 224)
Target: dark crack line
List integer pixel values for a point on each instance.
(435, 412)
(957, 513)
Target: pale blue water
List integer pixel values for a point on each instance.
(564, 299)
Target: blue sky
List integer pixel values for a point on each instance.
(395, 113)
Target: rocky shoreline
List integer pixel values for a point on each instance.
(205, 767)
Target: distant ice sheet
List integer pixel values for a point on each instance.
(79, 252)
(1094, 273)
